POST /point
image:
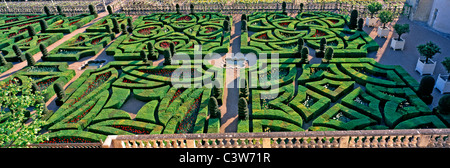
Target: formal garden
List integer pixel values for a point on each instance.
(324, 79)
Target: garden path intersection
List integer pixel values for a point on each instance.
(207, 72)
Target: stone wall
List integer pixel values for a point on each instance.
(439, 16)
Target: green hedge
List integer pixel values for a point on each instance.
(147, 112)
(118, 98)
(320, 104)
(340, 117)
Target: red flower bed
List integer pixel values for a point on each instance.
(128, 81)
(159, 72)
(79, 117)
(333, 21)
(146, 31)
(79, 39)
(95, 41)
(187, 124)
(66, 140)
(11, 20)
(284, 24)
(262, 36)
(178, 93)
(131, 129)
(210, 29)
(99, 80)
(319, 33)
(70, 24)
(45, 84)
(42, 39)
(184, 18)
(164, 45)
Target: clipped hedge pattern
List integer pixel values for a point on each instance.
(95, 102)
(184, 31)
(274, 32)
(344, 94)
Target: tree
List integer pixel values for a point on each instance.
(320, 53)
(43, 49)
(360, 24)
(47, 11)
(244, 17)
(301, 8)
(243, 109)
(385, 17)
(374, 7)
(426, 87)
(244, 91)
(110, 12)
(143, 56)
(244, 26)
(329, 53)
(192, 8)
(30, 59)
(226, 26)
(172, 48)
(116, 28)
(304, 54)
(213, 108)
(15, 100)
(152, 54)
(217, 90)
(124, 29)
(60, 94)
(92, 10)
(43, 25)
(31, 31)
(178, 8)
(3, 61)
(444, 105)
(167, 57)
(108, 29)
(401, 29)
(60, 12)
(18, 52)
(446, 64)
(130, 25)
(353, 19)
(428, 50)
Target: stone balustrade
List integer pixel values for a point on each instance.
(410, 138)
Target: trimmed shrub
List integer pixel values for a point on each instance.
(353, 19)
(61, 95)
(213, 108)
(243, 109)
(426, 87)
(92, 10)
(444, 104)
(110, 12)
(30, 60)
(47, 11)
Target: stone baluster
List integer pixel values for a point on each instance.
(319, 142)
(390, 142)
(367, 142)
(406, 141)
(290, 144)
(335, 143)
(351, 143)
(398, 142)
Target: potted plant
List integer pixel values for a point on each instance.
(443, 81)
(373, 8)
(426, 66)
(399, 43)
(385, 17)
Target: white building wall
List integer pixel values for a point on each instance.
(442, 19)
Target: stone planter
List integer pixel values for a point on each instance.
(371, 22)
(424, 68)
(383, 32)
(442, 84)
(397, 44)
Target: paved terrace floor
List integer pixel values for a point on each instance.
(407, 58)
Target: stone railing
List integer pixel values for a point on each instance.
(66, 145)
(410, 138)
